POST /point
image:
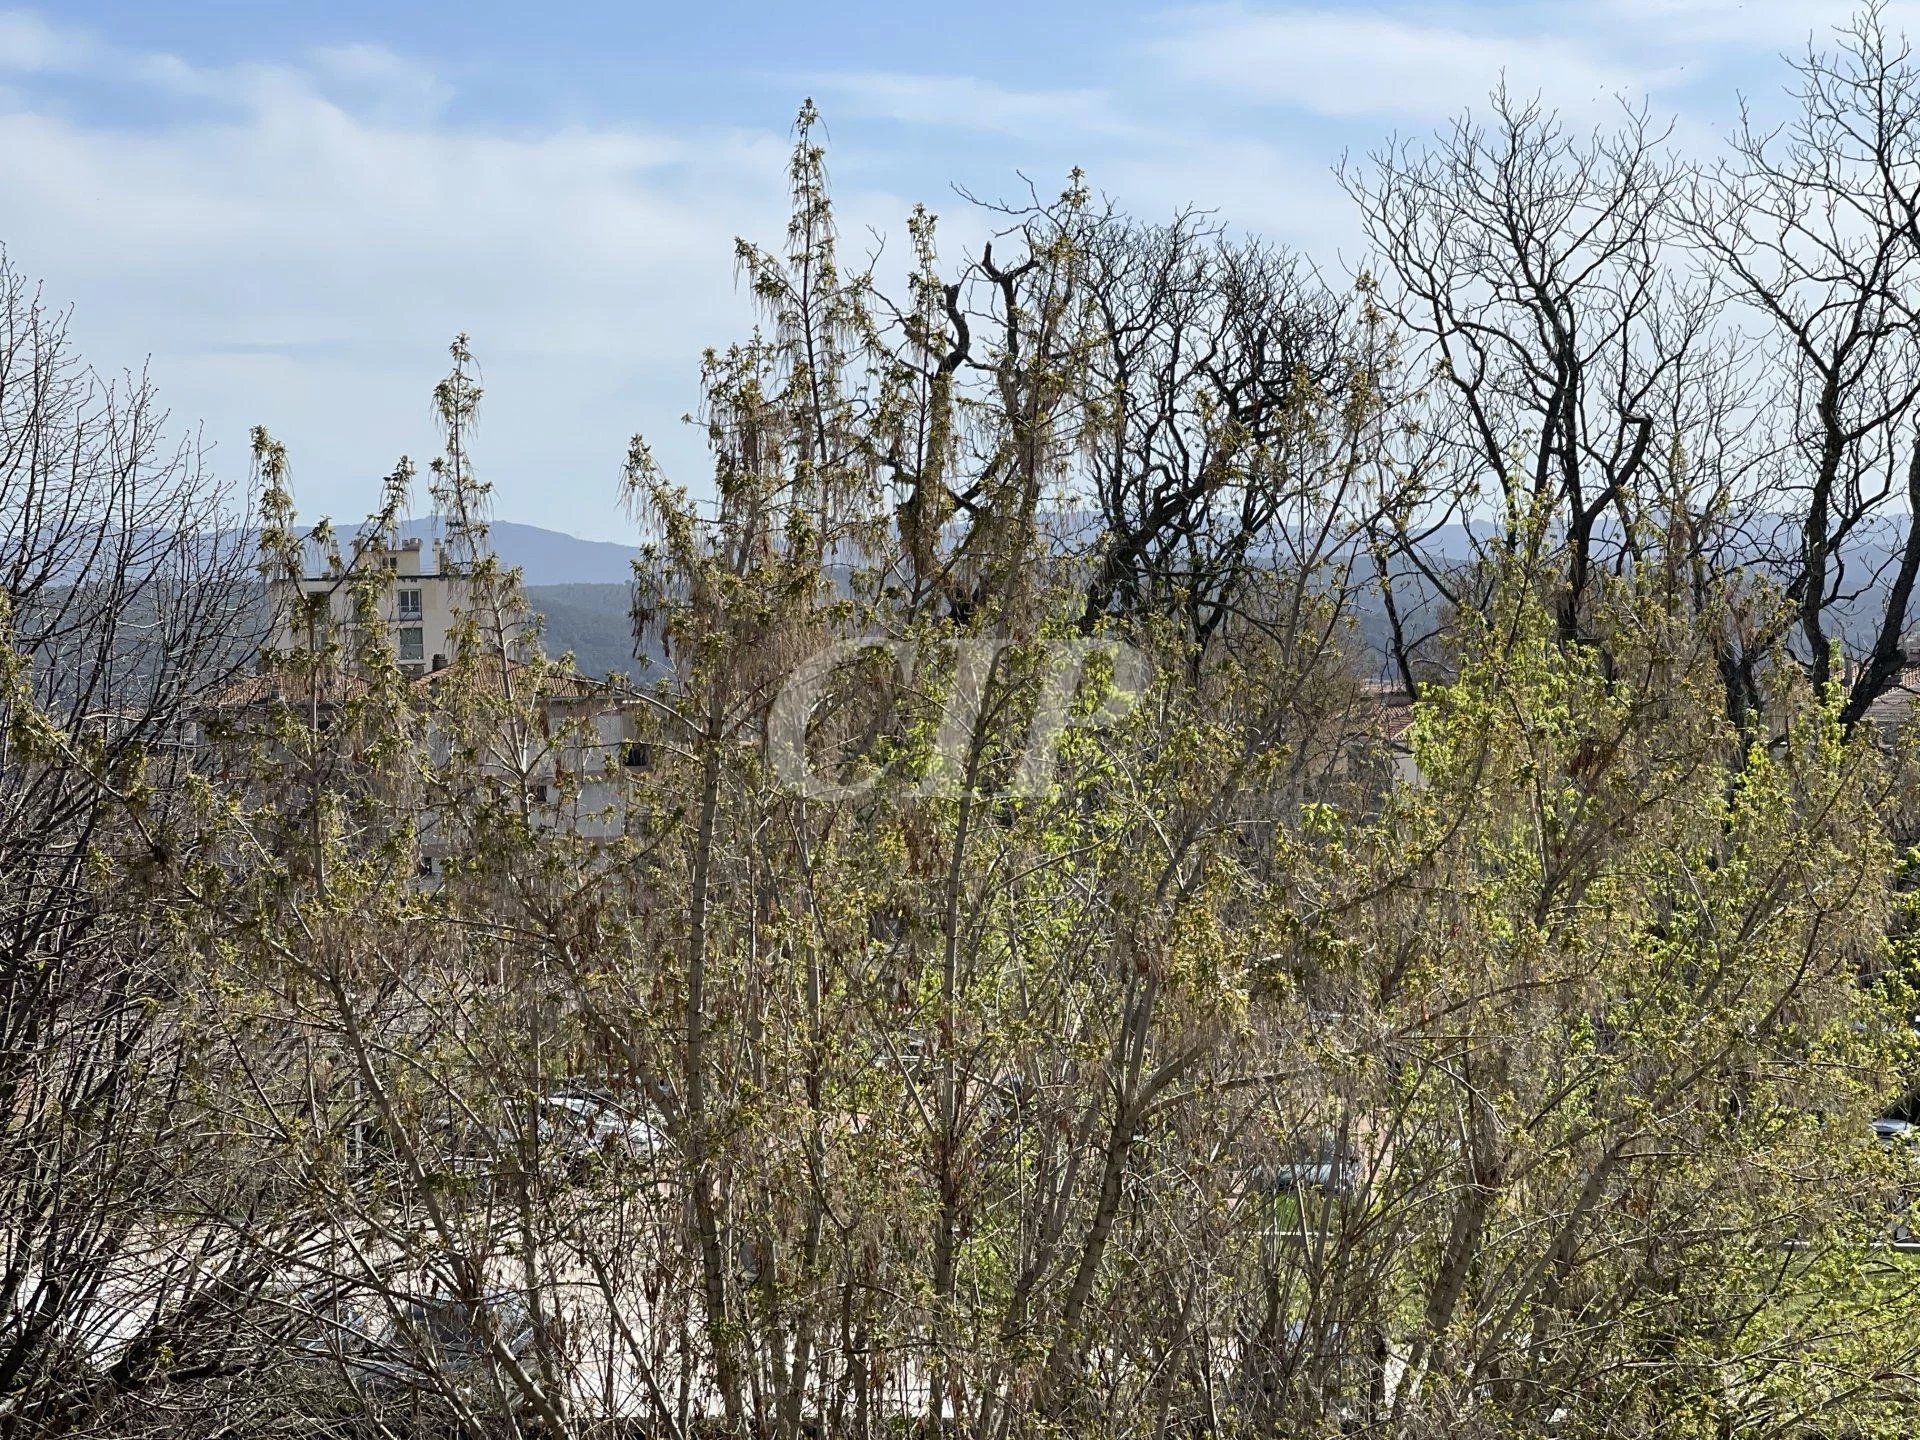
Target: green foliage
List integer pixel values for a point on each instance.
(1176, 1073)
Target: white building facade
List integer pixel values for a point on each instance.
(419, 605)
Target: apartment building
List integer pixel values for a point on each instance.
(419, 605)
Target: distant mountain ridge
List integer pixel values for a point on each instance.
(545, 557)
(579, 588)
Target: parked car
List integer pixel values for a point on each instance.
(1333, 1169)
(584, 1120)
(435, 1335)
(1889, 1130)
(1903, 1139)
(349, 1337)
(576, 1129)
(453, 1340)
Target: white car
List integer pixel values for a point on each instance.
(1889, 1130)
(574, 1129)
(585, 1123)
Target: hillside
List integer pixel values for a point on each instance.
(591, 621)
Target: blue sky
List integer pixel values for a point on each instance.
(286, 210)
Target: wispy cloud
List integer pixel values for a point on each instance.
(367, 81)
(293, 237)
(29, 44)
(964, 102)
(1737, 25)
(298, 250)
(380, 83)
(1349, 63)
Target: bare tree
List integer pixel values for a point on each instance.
(128, 602)
(1532, 268)
(1814, 230)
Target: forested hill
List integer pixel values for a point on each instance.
(592, 621)
(547, 557)
(580, 588)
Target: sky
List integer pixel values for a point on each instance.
(283, 212)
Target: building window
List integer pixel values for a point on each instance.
(639, 755)
(409, 604)
(412, 643)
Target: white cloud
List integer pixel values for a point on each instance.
(1738, 24)
(294, 240)
(28, 44)
(294, 243)
(1422, 62)
(1348, 63)
(966, 103)
(373, 80)
(300, 253)
(366, 81)
(1282, 192)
